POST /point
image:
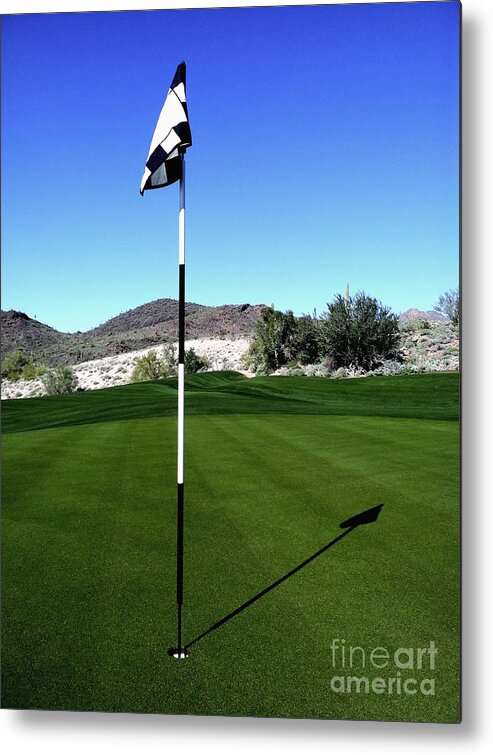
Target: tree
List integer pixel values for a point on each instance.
(305, 342)
(448, 304)
(272, 345)
(17, 365)
(32, 371)
(59, 380)
(359, 332)
(151, 367)
(193, 362)
(13, 365)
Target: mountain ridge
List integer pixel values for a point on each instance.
(420, 314)
(146, 325)
(140, 327)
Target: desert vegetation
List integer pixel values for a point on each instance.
(354, 333)
(448, 304)
(151, 367)
(59, 380)
(355, 336)
(17, 365)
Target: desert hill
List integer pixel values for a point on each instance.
(147, 325)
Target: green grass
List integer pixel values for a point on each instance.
(273, 465)
(428, 397)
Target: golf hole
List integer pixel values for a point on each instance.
(178, 653)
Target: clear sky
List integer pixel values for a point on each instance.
(325, 150)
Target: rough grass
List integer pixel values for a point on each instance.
(273, 465)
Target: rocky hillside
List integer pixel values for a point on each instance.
(140, 328)
(425, 347)
(430, 346)
(160, 318)
(220, 353)
(152, 315)
(105, 356)
(22, 332)
(429, 315)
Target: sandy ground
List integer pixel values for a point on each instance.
(223, 354)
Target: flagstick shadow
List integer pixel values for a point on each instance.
(365, 517)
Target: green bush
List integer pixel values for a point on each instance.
(59, 380)
(305, 340)
(272, 345)
(17, 365)
(359, 332)
(32, 371)
(193, 362)
(151, 367)
(13, 365)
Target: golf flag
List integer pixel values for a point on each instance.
(165, 165)
(171, 137)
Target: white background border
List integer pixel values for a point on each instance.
(74, 733)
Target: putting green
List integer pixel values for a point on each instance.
(273, 465)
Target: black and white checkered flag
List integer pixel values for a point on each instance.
(171, 137)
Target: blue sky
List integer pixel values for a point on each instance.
(325, 150)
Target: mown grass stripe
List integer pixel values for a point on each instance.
(433, 396)
(89, 538)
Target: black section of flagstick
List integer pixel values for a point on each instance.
(365, 517)
(179, 651)
(180, 491)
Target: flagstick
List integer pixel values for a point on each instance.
(181, 405)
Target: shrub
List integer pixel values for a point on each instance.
(252, 358)
(194, 362)
(13, 365)
(169, 361)
(32, 371)
(389, 367)
(59, 380)
(291, 369)
(17, 365)
(341, 372)
(150, 367)
(317, 370)
(305, 340)
(359, 332)
(272, 345)
(448, 304)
